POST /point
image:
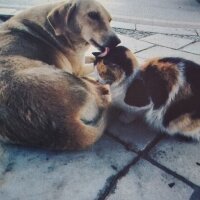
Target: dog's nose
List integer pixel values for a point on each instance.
(113, 41)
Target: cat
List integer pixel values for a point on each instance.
(165, 91)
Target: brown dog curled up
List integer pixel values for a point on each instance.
(44, 101)
(166, 91)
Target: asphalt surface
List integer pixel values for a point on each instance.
(176, 13)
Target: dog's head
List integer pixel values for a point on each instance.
(116, 66)
(87, 20)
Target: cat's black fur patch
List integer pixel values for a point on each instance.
(156, 86)
(174, 60)
(136, 94)
(191, 104)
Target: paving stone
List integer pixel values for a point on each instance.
(193, 48)
(165, 52)
(167, 41)
(123, 25)
(133, 44)
(167, 30)
(181, 157)
(7, 11)
(31, 174)
(136, 134)
(147, 182)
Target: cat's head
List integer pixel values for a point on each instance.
(116, 66)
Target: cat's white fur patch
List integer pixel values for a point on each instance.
(155, 117)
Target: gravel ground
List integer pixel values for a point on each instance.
(133, 33)
(140, 34)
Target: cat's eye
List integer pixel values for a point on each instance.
(94, 15)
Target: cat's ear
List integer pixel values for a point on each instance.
(136, 94)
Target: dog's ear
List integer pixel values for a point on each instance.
(60, 17)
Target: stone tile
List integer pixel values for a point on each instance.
(146, 182)
(167, 41)
(164, 52)
(134, 44)
(136, 134)
(167, 30)
(31, 174)
(7, 11)
(193, 48)
(181, 157)
(123, 25)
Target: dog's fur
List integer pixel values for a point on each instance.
(166, 91)
(59, 34)
(42, 101)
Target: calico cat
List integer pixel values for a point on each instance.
(166, 91)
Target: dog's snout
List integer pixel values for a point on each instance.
(113, 41)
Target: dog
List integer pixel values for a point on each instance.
(45, 101)
(165, 91)
(59, 34)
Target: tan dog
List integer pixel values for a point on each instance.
(40, 103)
(59, 34)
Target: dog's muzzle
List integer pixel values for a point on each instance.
(112, 42)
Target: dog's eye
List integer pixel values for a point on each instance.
(94, 15)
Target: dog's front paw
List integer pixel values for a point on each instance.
(105, 93)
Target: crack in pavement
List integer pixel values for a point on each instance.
(172, 173)
(113, 180)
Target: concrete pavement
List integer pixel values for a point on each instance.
(170, 13)
(130, 162)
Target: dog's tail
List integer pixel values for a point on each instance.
(89, 132)
(93, 119)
